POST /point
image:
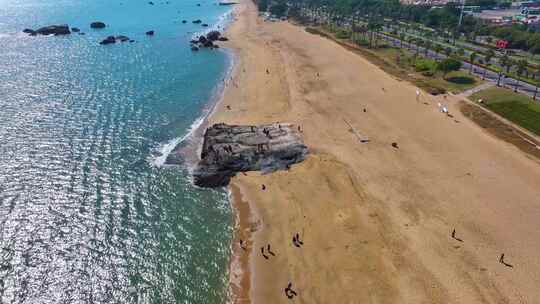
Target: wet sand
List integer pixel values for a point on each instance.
(376, 220)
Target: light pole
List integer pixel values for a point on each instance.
(461, 13)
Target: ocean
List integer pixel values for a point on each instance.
(88, 214)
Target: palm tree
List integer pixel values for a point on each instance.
(373, 28)
(401, 38)
(489, 55)
(506, 62)
(521, 66)
(427, 46)
(410, 41)
(448, 51)
(438, 48)
(419, 43)
(472, 57)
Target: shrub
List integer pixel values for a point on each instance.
(343, 34)
(427, 73)
(433, 90)
(362, 42)
(425, 65)
(460, 79)
(448, 65)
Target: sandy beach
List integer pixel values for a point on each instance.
(375, 220)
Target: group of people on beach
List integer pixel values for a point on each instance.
(267, 250)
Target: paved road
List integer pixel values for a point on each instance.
(481, 72)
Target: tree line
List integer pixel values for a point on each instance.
(443, 20)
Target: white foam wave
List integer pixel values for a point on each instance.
(224, 20)
(168, 147)
(217, 95)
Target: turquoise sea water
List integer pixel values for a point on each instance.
(85, 215)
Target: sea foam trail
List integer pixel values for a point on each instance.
(168, 147)
(194, 135)
(221, 25)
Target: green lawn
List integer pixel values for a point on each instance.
(518, 108)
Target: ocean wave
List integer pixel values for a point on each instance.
(188, 146)
(224, 21)
(166, 149)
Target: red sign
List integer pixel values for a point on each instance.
(502, 44)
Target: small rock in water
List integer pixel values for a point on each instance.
(122, 38)
(75, 29)
(150, 33)
(108, 40)
(97, 25)
(204, 24)
(213, 35)
(208, 44)
(197, 21)
(202, 39)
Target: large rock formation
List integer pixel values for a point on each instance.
(228, 149)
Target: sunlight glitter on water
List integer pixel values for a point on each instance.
(84, 217)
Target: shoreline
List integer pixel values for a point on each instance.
(375, 225)
(187, 147)
(240, 272)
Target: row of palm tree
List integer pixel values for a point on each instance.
(369, 26)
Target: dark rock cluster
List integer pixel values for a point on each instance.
(229, 149)
(207, 41)
(62, 29)
(113, 39)
(97, 25)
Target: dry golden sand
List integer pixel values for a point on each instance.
(375, 220)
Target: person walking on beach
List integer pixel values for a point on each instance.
(417, 95)
(296, 240)
(242, 245)
(262, 252)
(289, 292)
(269, 250)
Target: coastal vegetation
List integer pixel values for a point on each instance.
(436, 27)
(440, 21)
(518, 108)
(406, 63)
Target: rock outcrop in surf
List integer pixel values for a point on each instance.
(207, 41)
(229, 149)
(62, 29)
(97, 25)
